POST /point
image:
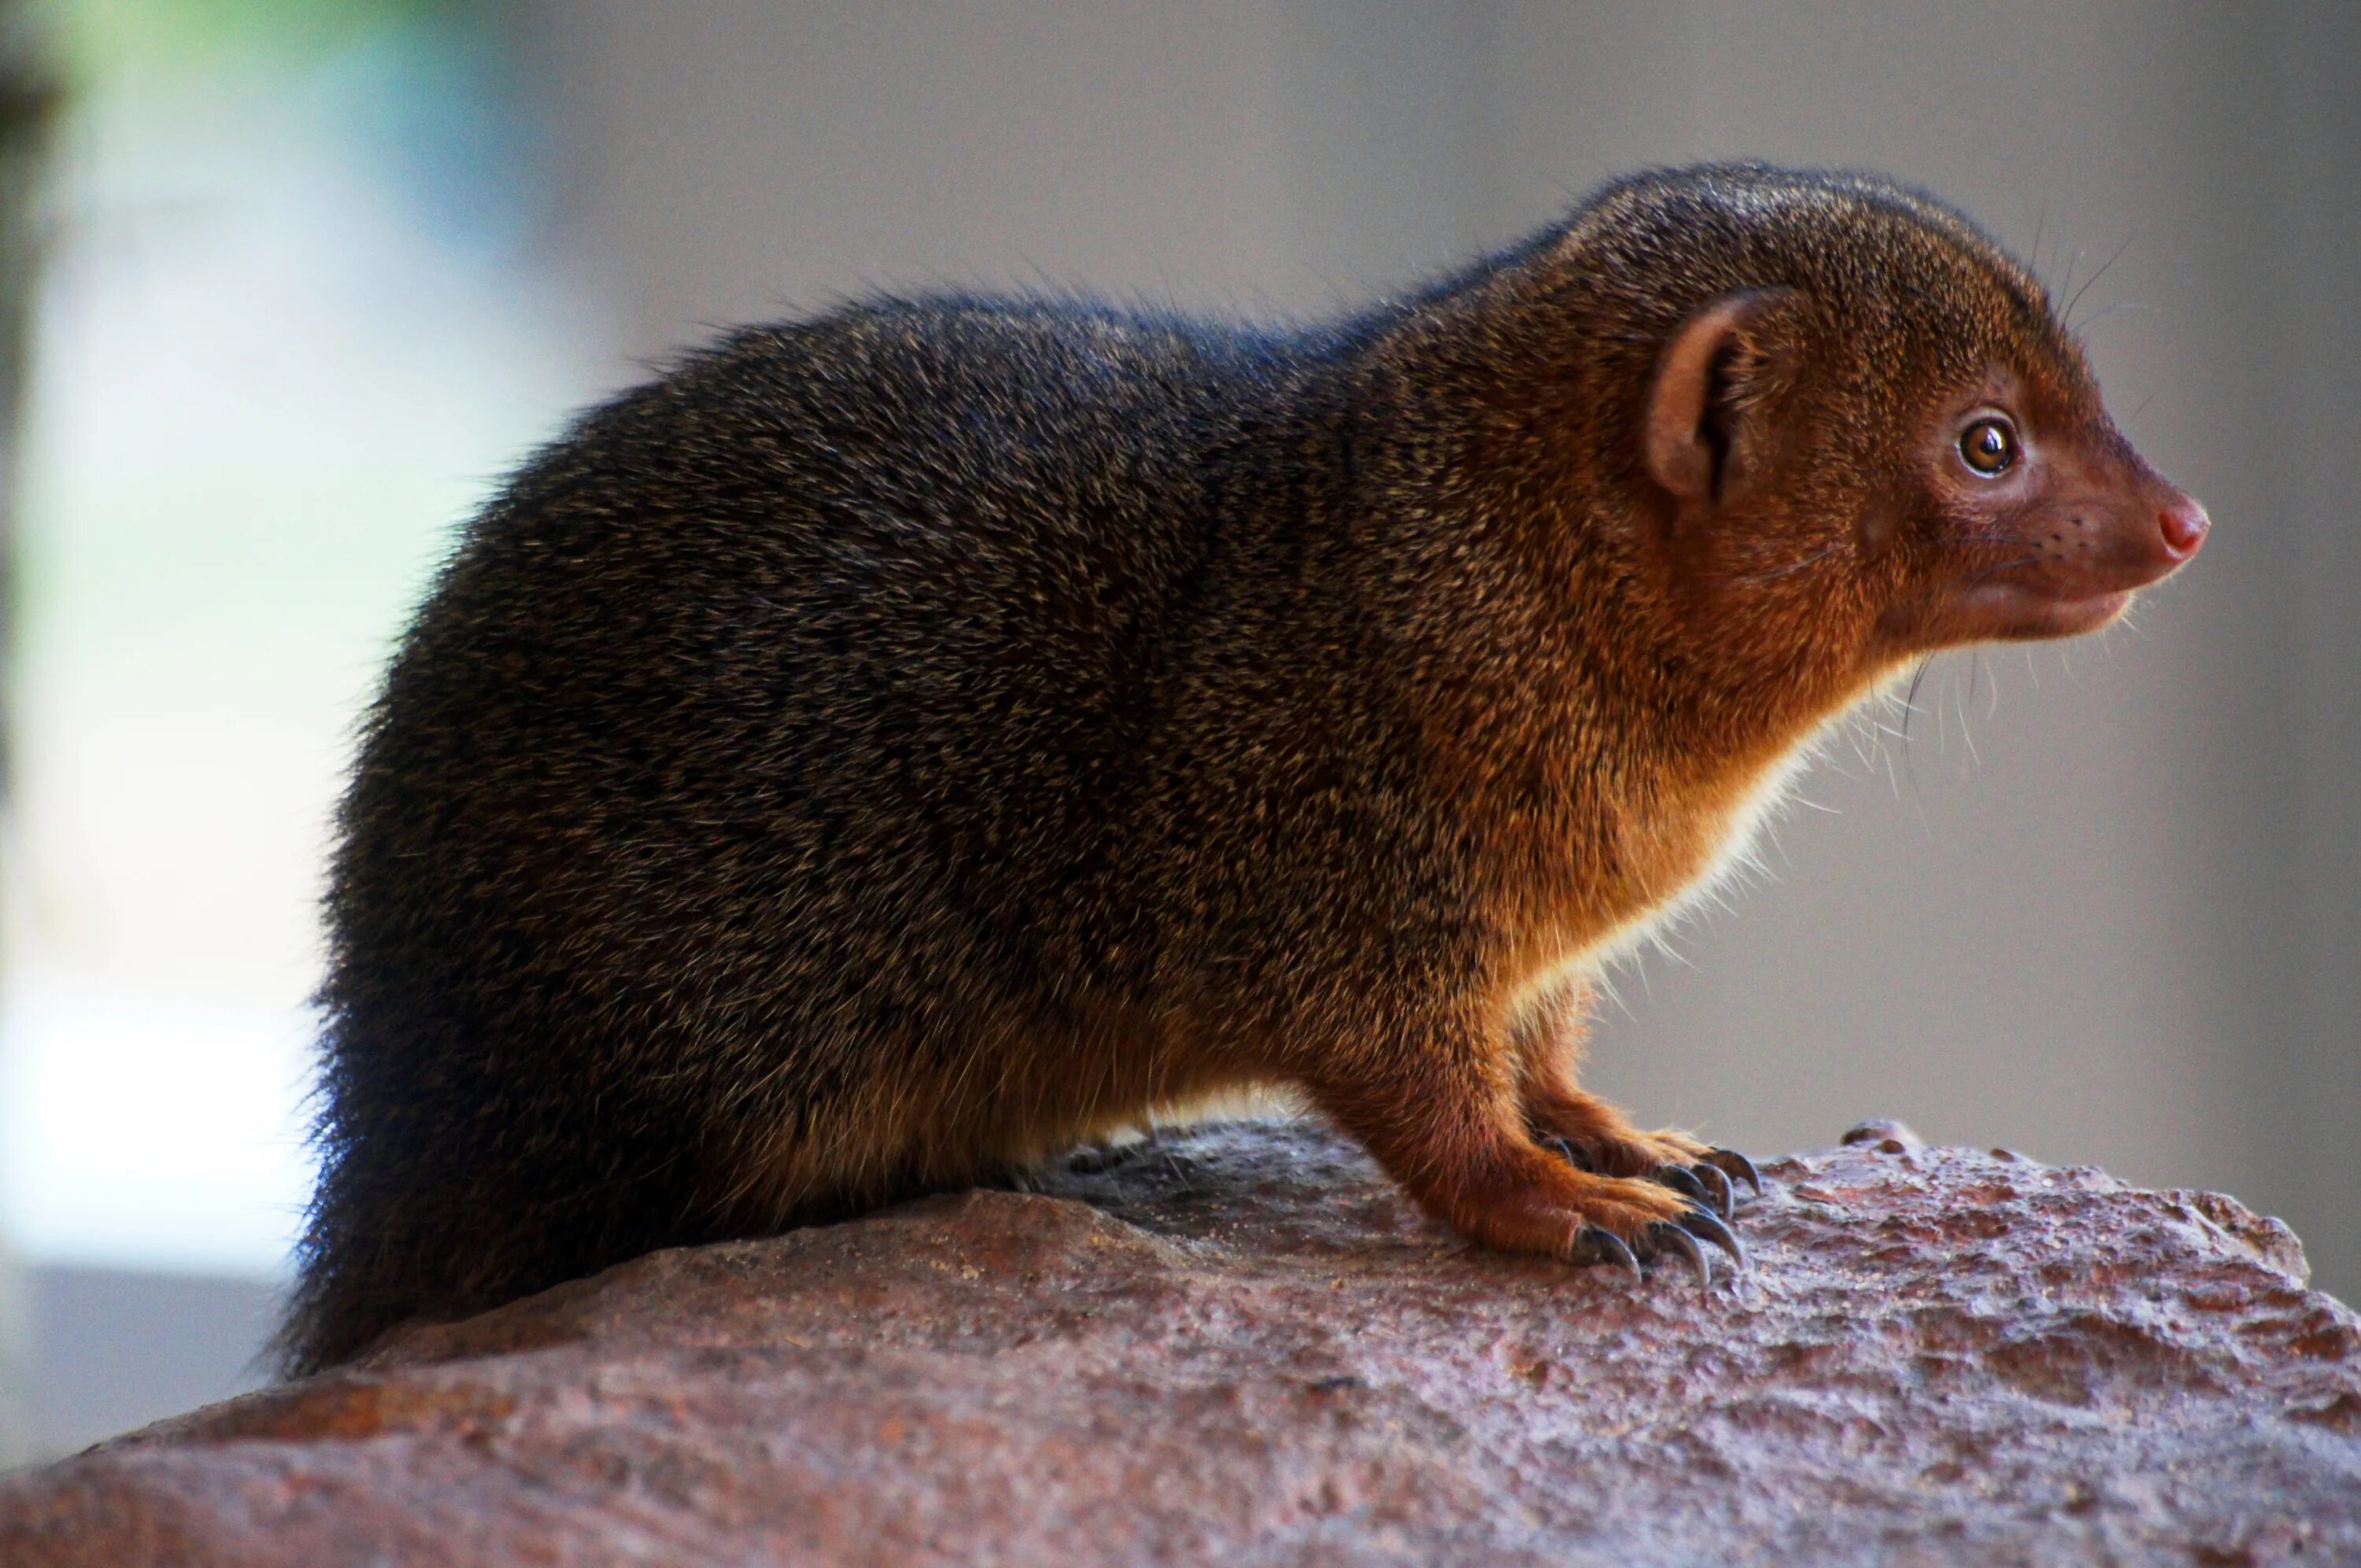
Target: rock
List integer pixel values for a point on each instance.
(1242, 1346)
(1892, 1137)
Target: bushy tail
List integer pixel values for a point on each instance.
(361, 1271)
(442, 1206)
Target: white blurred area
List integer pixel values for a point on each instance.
(291, 329)
(161, 1135)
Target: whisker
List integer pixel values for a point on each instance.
(1909, 707)
(2103, 312)
(2066, 317)
(1975, 670)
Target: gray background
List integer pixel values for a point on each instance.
(2103, 907)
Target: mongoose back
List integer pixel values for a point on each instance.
(894, 747)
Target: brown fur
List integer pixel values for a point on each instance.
(892, 748)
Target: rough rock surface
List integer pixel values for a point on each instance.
(1242, 1346)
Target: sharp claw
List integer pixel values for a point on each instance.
(1594, 1245)
(1568, 1151)
(1739, 1166)
(1708, 1226)
(1716, 1186)
(1681, 1182)
(1665, 1234)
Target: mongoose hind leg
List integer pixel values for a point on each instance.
(1443, 1126)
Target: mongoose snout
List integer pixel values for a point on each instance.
(892, 748)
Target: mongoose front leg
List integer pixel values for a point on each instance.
(1444, 1119)
(1597, 1137)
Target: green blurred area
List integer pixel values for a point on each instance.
(97, 39)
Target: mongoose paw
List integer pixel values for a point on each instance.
(1681, 1235)
(1596, 1244)
(1699, 1172)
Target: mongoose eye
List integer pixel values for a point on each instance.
(1989, 446)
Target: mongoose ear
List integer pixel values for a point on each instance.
(1715, 393)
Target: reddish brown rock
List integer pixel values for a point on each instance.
(1241, 1346)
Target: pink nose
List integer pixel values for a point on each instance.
(2183, 525)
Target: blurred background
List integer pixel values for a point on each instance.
(313, 273)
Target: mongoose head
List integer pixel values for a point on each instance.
(1865, 418)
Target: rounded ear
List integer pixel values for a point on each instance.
(1708, 427)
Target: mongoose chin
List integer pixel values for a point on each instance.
(894, 746)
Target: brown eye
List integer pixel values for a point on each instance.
(1989, 446)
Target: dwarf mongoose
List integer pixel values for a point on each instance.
(894, 746)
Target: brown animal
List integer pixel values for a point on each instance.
(894, 747)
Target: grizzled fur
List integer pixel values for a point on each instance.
(892, 747)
